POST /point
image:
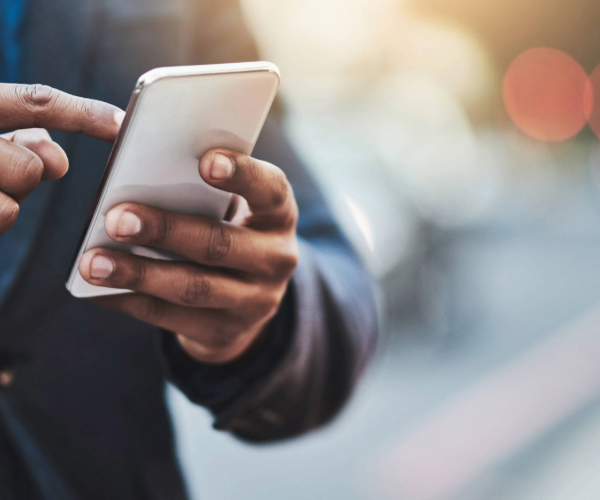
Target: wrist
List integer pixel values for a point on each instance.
(223, 355)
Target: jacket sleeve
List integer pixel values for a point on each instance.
(317, 345)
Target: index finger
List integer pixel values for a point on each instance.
(40, 106)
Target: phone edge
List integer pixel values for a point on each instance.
(143, 82)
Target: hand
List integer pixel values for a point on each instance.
(221, 299)
(29, 156)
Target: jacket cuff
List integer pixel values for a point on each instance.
(267, 409)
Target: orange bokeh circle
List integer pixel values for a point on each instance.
(548, 95)
(594, 120)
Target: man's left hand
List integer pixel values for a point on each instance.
(222, 297)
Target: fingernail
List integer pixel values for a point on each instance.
(222, 167)
(102, 267)
(129, 224)
(119, 117)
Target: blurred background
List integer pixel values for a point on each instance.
(460, 163)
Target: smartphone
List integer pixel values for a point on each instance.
(175, 115)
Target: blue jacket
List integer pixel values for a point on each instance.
(84, 415)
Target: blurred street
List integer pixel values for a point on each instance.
(485, 244)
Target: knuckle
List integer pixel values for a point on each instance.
(37, 97)
(283, 265)
(280, 189)
(88, 109)
(219, 242)
(150, 310)
(162, 229)
(196, 290)
(267, 304)
(136, 276)
(251, 168)
(289, 262)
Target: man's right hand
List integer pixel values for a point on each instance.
(29, 155)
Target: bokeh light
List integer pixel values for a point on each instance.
(594, 120)
(447, 53)
(547, 94)
(331, 36)
(429, 146)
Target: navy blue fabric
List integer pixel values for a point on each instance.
(41, 480)
(28, 471)
(12, 17)
(10, 47)
(15, 245)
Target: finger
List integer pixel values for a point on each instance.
(215, 331)
(20, 170)
(9, 211)
(39, 106)
(262, 184)
(203, 240)
(38, 141)
(160, 313)
(179, 283)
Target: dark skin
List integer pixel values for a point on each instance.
(220, 299)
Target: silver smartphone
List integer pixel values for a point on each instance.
(175, 116)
